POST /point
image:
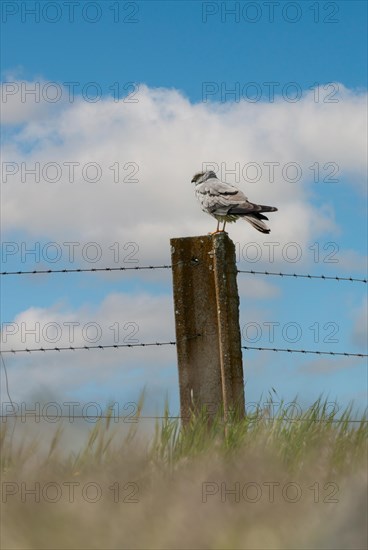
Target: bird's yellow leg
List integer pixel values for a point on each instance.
(217, 229)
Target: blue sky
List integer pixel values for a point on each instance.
(169, 53)
(171, 45)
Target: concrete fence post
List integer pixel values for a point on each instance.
(208, 337)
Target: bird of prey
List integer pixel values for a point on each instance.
(226, 203)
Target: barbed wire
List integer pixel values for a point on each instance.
(166, 266)
(87, 348)
(136, 419)
(86, 270)
(317, 352)
(304, 276)
(173, 343)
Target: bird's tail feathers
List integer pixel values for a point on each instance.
(259, 216)
(257, 223)
(263, 208)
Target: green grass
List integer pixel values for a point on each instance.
(171, 482)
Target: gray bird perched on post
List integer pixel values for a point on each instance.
(226, 203)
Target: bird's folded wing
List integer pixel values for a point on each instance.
(216, 187)
(214, 193)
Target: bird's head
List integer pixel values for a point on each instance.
(197, 176)
(200, 177)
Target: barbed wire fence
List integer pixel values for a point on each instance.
(308, 276)
(173, 343)
(153, 267)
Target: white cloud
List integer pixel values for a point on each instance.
(169, 138)
(119, 319)
(23, 101)
(257, 289)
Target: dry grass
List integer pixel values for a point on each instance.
(204, 487)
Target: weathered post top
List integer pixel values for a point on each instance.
(207, 324)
